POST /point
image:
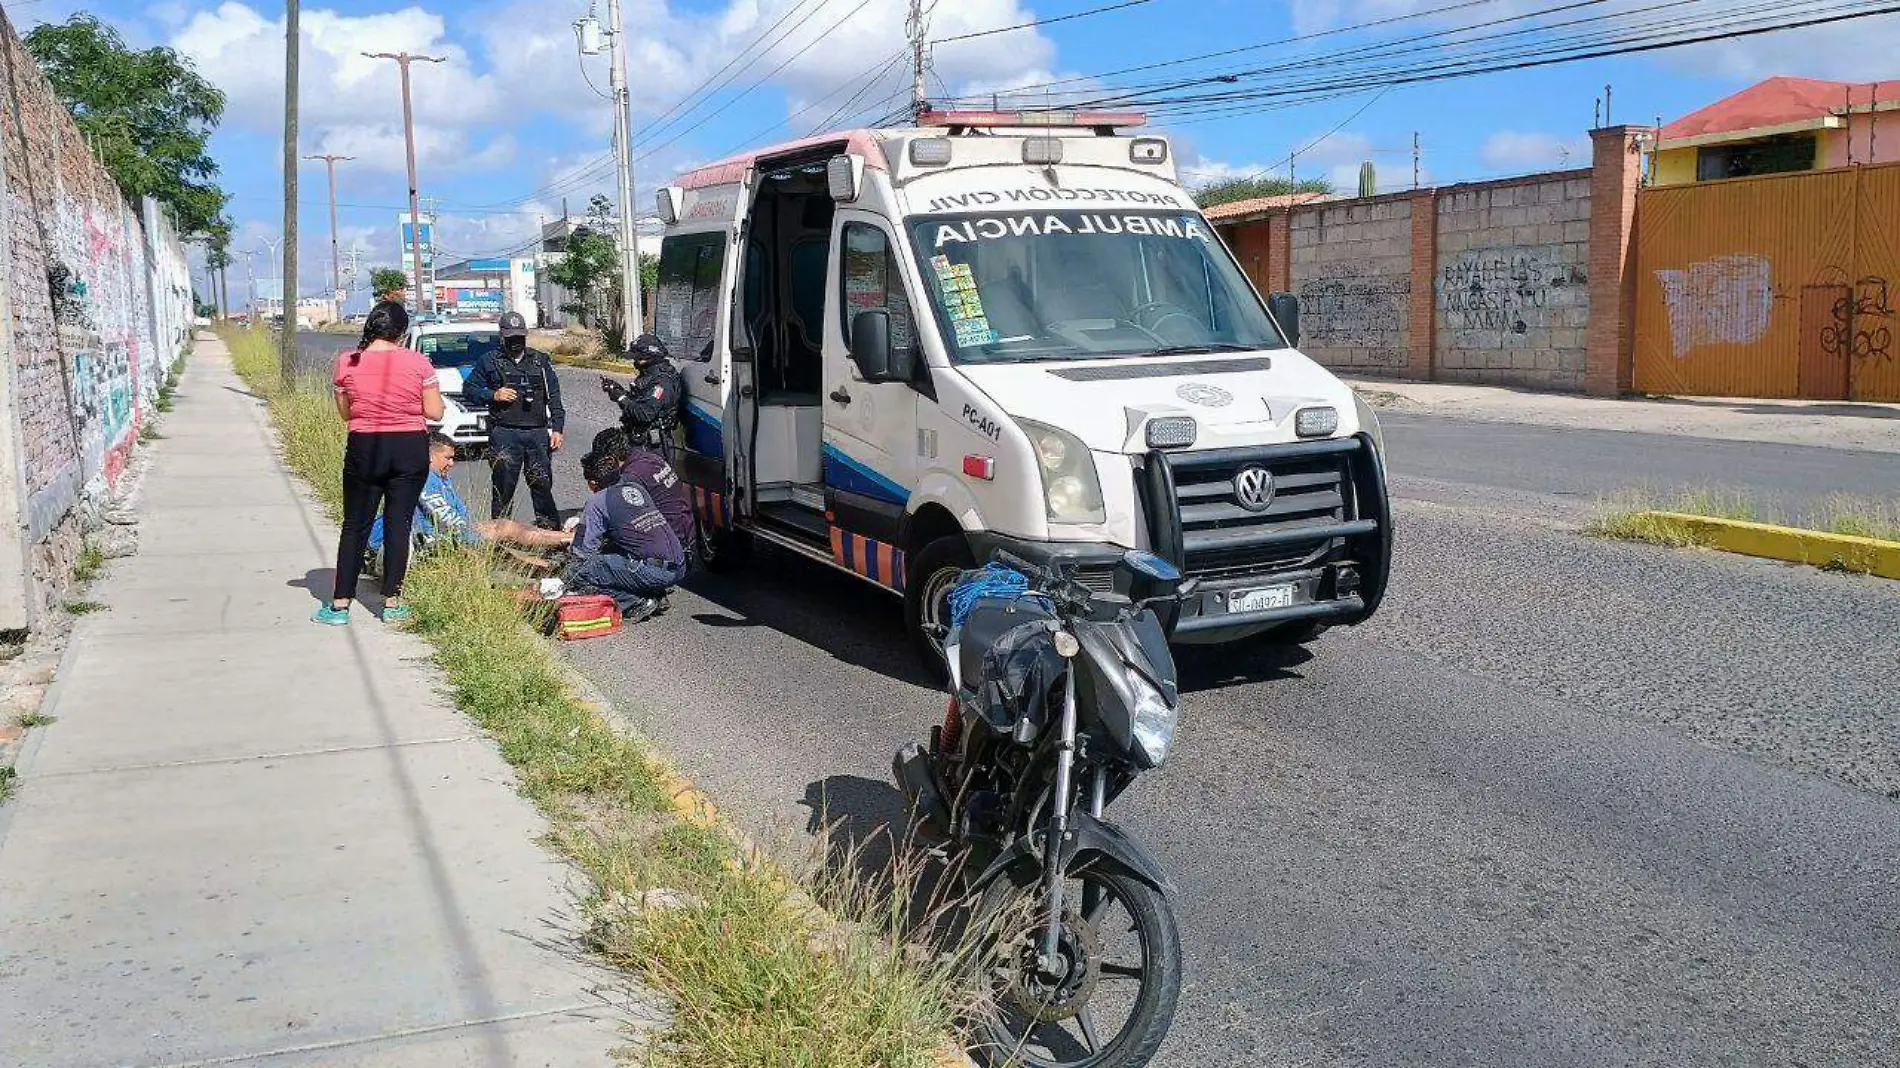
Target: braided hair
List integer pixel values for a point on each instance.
(387, 321)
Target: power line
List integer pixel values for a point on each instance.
(658, 126)
(1546, 55)
(1042, 22)
(809, 45)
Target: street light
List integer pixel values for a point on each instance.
(403, 59)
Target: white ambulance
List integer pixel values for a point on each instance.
(906, 348)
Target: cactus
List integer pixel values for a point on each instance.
(1368, 181)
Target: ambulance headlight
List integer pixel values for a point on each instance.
(1316, 422)
(1071, 491)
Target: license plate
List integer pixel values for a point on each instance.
(1261, 600)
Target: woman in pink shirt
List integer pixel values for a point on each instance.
(387, 394)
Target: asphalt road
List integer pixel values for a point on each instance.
(1563, 802)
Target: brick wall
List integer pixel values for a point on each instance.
(1511, 285)
(1351, 266)
(98, 299)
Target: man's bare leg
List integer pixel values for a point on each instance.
(510, 532)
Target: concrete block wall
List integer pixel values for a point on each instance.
(1521, 281)
(96, 306)
(1351, 266)
(1511, 292)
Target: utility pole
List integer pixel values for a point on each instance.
(250, 284)
(287, 340)
(330, 160)
(914, 29)
(631, 307)
(403, 59)
(271, 248)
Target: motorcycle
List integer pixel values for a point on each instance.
(1061, 696)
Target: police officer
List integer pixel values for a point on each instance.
(522, 393)
(650, 407)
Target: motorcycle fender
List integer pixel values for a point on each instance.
(1091, 841)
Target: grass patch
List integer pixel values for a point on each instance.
(1861, 517)
(149, 432)
(757, 977)
(83, 608)
(30, 720)
(90, 565)
(1625, 516)
(9, 782)
(593, 363)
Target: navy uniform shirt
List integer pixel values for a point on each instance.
(623, 519)
(650, 471)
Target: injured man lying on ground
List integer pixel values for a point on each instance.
(442, 517)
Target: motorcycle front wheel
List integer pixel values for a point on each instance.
(1109, 998)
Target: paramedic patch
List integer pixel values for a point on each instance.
(1203, 394)
(992, 227)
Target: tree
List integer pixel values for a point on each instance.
(1228, 190)
(382, 280)
(149, 113)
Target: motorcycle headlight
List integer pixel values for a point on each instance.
(1153, 723)
(1070, 490)
(1369, 422)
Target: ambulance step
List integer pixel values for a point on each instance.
(812, 497)
(797, 519)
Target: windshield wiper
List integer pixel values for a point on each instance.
(1190, 350)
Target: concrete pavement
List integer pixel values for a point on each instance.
(248, 839)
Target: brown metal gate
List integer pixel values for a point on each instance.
(1771, 287)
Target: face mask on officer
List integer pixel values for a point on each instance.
(514, 346)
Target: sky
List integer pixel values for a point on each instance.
(513, 127)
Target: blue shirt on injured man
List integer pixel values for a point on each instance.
(441, 515)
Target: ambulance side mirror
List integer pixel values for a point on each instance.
(1285, 309)
(871, 348)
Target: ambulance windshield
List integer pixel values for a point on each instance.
(1067, 285)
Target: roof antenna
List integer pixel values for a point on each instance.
(1606, 105)
(1596, 117)
(1848, 92)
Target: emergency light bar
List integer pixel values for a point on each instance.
(1094, 120)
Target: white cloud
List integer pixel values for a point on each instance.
(1511, 150)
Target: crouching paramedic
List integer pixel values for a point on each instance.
(649, 470)
(624, 547)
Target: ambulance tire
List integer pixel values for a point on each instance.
(721, 551)
(930, 574)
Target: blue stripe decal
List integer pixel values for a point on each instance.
(870, 559)
(704, 433)
(844, 473)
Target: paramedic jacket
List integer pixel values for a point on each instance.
(623, 519)
(650, 471)
(537, 402)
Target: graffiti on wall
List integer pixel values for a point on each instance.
(1862, 325)
(1728, 299)
(1350, 307)
(1503, 289)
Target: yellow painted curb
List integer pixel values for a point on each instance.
(1812, 547)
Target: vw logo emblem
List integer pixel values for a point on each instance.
(1203, 394)
(1253, 488)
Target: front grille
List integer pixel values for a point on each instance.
(1214, 537)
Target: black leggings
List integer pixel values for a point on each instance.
(387, 470)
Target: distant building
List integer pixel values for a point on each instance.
(1782, 125)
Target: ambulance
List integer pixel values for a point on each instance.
(905, 349)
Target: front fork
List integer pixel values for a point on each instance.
(1053, 846)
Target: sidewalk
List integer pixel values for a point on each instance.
(249, 839)
(1830, 424)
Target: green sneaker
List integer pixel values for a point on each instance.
(396, 613)
(332, 616)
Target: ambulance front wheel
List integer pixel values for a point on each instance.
(932, 573)
(721, 550)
